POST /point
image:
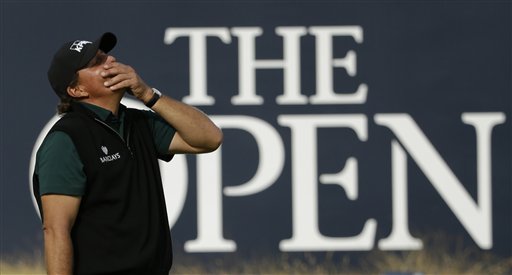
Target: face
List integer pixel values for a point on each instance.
(90, 79)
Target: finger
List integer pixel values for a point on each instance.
(120, 85)
(112, 64)
(113, 70)
(116, 80)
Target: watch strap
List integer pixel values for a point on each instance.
(156, 96)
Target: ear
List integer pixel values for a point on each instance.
(77, 92)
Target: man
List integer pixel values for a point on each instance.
(97, 180)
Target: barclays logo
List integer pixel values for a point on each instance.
(108, 158)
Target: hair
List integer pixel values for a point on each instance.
(64, 105)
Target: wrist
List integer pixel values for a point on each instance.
(153, 97)
(146, 95)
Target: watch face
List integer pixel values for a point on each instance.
(156, 92)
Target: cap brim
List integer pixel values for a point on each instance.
(107, 42)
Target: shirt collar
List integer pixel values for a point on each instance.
(104, 114)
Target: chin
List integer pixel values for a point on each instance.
(119, 91)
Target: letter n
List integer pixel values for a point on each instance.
(475, 216)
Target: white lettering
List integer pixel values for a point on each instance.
(475, 217)
(400, 237)
(209, 207)
(110, 158)
(198, 80)
(248, 65)
(306, 235)
(271, 162)
(324, 63)
(290, 64)
(475, 214)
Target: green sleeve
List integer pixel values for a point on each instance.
(59, 167)
(162, 133)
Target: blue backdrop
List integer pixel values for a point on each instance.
(384, 121)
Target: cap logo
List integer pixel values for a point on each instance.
(104, 149)
(78, 45)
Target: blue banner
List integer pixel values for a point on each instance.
(349, 126)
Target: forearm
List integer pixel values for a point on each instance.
(58, 249)
(58, 254)
(60, 212)
(194, 127)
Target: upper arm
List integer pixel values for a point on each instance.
(61, 181)
(59, 211)
(59, 167)
(169, 141)
(163, 133)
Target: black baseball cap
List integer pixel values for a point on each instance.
(74, 56)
